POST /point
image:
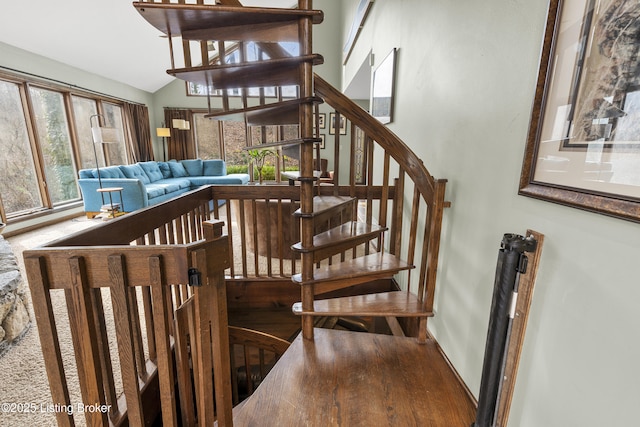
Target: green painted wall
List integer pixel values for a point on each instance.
(467, 73)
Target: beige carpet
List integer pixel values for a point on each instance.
(23, 379)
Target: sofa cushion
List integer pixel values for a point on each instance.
(164, 168)
(177, 170)
(173, 184)
(214, 167)
(193, 167)
(85, 174)
(233, 179)
(152, 170)
(136, 172)
(105, 172)
(154, 190)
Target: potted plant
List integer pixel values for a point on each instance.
(258, 157)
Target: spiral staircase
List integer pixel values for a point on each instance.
(300, 380)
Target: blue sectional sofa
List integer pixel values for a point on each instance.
(149, 183)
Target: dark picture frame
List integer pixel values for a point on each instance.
(383, 88)
(332, 126)
(583, 146)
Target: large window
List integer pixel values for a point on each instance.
(55, 145)
(45, 138)
(83, 109)
(226, 139)
(116, 151)
(207, 133)
(18, 180)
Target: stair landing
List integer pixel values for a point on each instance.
(344, 378)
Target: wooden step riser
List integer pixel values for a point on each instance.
(267, 32)
(329, 219)
(267, 73)
(396, 304)
(327, 204)
(216, 22)
(348, 232)
(343, 247)
(320, 288)
(275, 113)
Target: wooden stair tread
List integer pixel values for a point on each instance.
(340, 239)
(354, 378)
(216, 22)
(275, 113)
(395, 303)
(324, 204)
(267, 73)
(354, 271)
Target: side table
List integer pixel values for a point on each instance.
(112, 209)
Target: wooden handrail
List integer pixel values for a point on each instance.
(389, 141)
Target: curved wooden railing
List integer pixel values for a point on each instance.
(381, 134)
(412, 181)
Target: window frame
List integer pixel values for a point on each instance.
(24, 84)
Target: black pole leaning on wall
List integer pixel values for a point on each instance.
(512, 262)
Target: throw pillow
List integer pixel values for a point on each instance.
(214, 167)
(164, 168)
(177, 170)
(152, 170)
(193, 167)
(135, 171)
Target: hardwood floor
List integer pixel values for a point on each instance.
(355, 379)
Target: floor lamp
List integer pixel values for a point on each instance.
(101, 135)
(163, 132)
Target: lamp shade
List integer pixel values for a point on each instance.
(96, 134)
(163, 132)
(102, 135)
(180, 124)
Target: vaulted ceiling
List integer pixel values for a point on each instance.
(104, 37)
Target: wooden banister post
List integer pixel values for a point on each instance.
(81, 321)
(43, 310)
(125, 339)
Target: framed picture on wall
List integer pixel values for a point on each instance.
(583, 148)
(382, 88)
(322, 137)
(332, 124)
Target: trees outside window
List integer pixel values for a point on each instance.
(55, 145)
(45, 136)
(18, 179)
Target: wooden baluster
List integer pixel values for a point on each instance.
(41, 302)
(163, 323)
(121, 302)
(106, 365)
(183, 365)
(267, 204)
(81, 322)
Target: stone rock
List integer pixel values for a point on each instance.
(17, 322)
(14, 316)
(9, 281)
(6, 303)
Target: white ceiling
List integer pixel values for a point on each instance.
(104, 37)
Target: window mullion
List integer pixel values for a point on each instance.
(36, 150)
